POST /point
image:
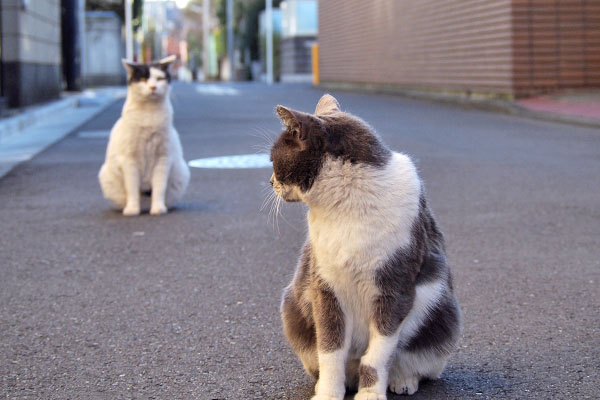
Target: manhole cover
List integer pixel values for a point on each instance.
(233, 162)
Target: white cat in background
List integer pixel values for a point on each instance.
(144, 152)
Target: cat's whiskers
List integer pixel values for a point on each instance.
(278, 211)
(264, 135)
(272, 208)
(261, 149)
(268, 198)
(273, 201)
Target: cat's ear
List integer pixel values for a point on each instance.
(296, 120)
(165, 63)
(130, 66)
(327, 105)
(288, 117)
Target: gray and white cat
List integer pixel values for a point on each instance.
(144, 152)
(371, 304)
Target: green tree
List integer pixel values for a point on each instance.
(250, 38)
(118, 6)
(239, 15)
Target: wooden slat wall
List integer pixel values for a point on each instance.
(514, 47)
(556, 45)
(450, 44)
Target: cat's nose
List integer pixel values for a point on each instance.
(153, 88)
(272, 179)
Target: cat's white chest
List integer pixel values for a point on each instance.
(148, 129)
(149, 126)
(342, 244)
(154, 122)
(332, 244)
(342, 263)
(342, 252)
(144, 138)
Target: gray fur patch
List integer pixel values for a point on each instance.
(423, 261)
(440, 330)
(367, 376)
(329, 318)
(351, 139)
(395, 281)
(299, 330)
(433, 266)
(296, 313)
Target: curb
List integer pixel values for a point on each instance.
(555, 117)
(13, 126)
(497, 105)
(24, 136)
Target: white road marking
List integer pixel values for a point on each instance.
(217, 90)
(233, 162)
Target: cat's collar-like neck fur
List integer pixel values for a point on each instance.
(346, 190)
(135, 103)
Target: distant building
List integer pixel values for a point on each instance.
(30, 51)
(105, 47)
(167, 24)
(299, 23)
(493, 48)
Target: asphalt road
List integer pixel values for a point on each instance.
(94, 305)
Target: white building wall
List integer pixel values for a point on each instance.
(105, 48)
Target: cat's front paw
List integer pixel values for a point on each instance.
(158, 209)
(131, 210)
(365, 395)
(403, 385)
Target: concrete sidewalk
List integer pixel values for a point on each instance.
(31, 131)
(573, 106)
(580, 107)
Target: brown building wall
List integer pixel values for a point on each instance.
(492, 46)
(556, 45)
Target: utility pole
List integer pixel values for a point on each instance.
(71, 42)
(206, 39)
(269, 22)
(205, 11)
(128, 30)
(230, 37)
(82, 47)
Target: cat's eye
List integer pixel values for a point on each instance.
(160, 78)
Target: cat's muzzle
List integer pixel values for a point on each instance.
(286, 192)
